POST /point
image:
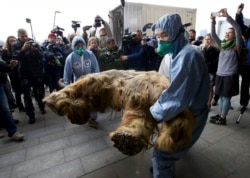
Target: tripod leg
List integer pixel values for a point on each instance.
(238, 120)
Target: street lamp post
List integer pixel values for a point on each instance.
(55, 18)
(29, 21)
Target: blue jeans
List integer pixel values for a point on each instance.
(5, 113)
(225, 104)
(164, 162)
(94, 116)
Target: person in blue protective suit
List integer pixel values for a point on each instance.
(78, 63)
(189, 88)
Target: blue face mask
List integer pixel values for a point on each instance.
(80, 51)
(165, 47)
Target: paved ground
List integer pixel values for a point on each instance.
(54, 148)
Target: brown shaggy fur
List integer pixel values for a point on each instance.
(179, 131)
(133, 92)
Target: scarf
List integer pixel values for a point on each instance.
(227, 44)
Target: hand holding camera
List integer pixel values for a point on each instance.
(26, 46)
(240, 8)
(221, 13)
(85, 28)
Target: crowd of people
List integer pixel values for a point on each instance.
(40, 66)
(199, 69)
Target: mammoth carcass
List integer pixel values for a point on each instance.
(133, 92)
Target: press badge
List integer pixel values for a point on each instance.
(87, 63)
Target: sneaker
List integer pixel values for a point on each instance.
(219, 121)
(42, 110)
(215, 117)
(214, 103)
(93, 123)
(32, 120)
(17, 136)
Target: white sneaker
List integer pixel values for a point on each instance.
(17, 136)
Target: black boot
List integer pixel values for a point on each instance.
(32, 119)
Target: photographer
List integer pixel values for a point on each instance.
(134, 52)
(53, 62)
(104, 33)
(29, 56)
(154, 59)
(59, 32)
(192, 36)
(110, 57)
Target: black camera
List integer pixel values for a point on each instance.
(128, 38)
(98, 21)
(111, 56)
(32, 43)
(146, 38)
(53, 55)
(75, 25)
(58, 31)
(187, 24)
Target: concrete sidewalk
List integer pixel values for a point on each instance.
(55, 148)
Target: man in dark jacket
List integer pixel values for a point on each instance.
(53, 62)
(30, 56)
(135, 53)
(245, 65)
(6, 115)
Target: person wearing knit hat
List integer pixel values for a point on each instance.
(189, 88)
(78, 63)
(52, 35)
(53, 62)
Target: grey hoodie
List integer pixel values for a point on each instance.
(77, 65)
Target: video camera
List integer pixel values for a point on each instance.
(187, 25)
(58, 31)
(53, 55)
(98, 21)
(33, 43)
(128, 38)
(75, 25)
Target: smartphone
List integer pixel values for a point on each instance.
(215, 14)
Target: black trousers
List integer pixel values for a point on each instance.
(35, 85)
(245, 84)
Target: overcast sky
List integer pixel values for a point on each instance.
(41, 12)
